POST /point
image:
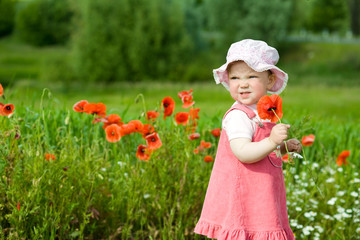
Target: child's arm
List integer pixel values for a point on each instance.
(251, 152)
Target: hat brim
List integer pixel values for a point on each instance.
(221, 76)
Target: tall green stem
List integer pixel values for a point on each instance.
(143, 101)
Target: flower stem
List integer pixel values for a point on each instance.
(311, 174)
(276, 115)
(140, 95)
(287, 150)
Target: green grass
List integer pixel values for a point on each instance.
(19, 61)
(100, 190)
(318, 101)
(331, 64)
(316, 71)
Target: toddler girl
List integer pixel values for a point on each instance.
(246, 196)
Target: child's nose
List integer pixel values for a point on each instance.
(243, 84)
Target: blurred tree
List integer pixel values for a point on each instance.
(127, 40)
(232, 20)
(7, 17)
(328, 15)
(354, 6)
(299, 15)
(44, 22)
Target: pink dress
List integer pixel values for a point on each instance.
(245, 201)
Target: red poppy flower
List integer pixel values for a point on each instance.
(18, 206)
(7, 109)
(1, 90)
(308, 140)
(96, 120)
(127, 129)
(270, 107)
(169, 105)
(184, 93)
(341, 159)
(205, 144)
(95, 108)
(153, 141)
(143, 152)
(187, 101)
(216, 132)
(137, 124)
(194, 113)
(113, 133)
(285, 158)
(208, 158)
(288, 159)
(79, 106)
(182, 118)
(151, 115)
(49, 156)
(194, 136)
(147, 129)
(202, 146)
(112, 119)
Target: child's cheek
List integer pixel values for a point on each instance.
(234, 96)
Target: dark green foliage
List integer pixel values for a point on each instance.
(354, 7)
(181, 40)
(132, 40)
(233, 20)
(300, 11)
(44, 22)
(7, 15)
(328, 15)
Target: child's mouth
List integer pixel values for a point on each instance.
(245, 94)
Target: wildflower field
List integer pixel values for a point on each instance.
(90, 171)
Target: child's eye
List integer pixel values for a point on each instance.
(234, 78)
(252, 76)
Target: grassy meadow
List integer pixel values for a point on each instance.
(100, 190)
(95, 189)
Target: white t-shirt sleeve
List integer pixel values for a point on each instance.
(237, 125)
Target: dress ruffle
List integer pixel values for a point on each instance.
(217, 232)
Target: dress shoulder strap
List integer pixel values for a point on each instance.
(250, 113)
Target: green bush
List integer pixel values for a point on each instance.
(44, 22)
(126, 40)
(7, 15)
(329, 15)
(233, 20)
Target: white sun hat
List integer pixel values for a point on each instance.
(257, 55)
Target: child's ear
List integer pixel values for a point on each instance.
(271, 81)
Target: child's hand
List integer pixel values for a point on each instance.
(294, 145)
(279, 133)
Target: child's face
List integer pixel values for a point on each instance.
(246, 85)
